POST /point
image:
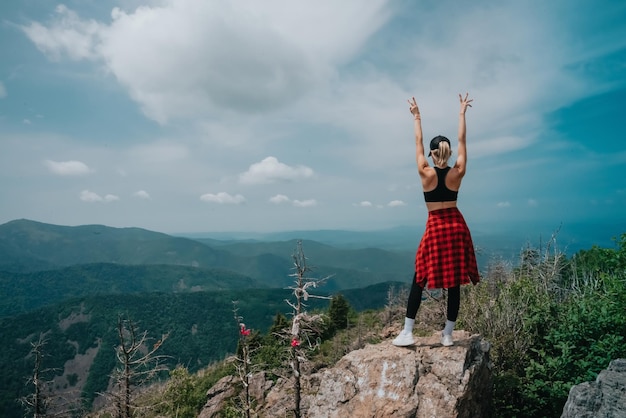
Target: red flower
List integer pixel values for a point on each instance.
(295, 343)
(243, 331)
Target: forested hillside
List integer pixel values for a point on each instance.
(70, 285)
(200, 326)
(23, 292)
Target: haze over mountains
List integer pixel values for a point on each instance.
(43, 263)
(48, 254)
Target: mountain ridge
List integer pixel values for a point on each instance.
(29, 246)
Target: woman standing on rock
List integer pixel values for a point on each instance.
(445, 257)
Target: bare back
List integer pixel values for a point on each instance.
(429, 179)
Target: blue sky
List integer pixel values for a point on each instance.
(187, 116)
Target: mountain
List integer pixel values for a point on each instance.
(402, 238)
(28, 246)
(493, 239)
(366, 259)
(32, 246)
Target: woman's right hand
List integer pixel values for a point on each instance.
(415, 111)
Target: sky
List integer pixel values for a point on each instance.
(185, 116)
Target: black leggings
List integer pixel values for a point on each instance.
(415, 299)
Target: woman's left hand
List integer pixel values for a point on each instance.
(465, 103)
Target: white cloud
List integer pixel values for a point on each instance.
(396, 203)
(532, 203)
(365, 204)
(68, 36)
(505, 204)
(271, 170)
(223, 198)
(67, 168)
(26, 121)
(142, 194)
(201, 56)
(278, 199)
(3, 90)
(304, 203)
(88, 196)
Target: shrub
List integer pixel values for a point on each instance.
(552, 323)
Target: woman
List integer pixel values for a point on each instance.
(445, 257)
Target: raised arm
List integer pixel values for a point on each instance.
(420, 158)
(461, 159)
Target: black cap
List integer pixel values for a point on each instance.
(434, 143)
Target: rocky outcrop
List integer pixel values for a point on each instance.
(217, 396)
(381, 380)
(604, 398)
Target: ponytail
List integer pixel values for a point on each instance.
(442, 153)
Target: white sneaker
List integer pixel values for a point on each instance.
(404, 339)
(446, 340)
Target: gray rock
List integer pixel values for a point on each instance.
(426, 380)
(217, 395)
(604, 398)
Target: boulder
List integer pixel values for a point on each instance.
(381, 380)
(604, 398)
(217, 395)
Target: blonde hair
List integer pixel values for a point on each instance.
(441, 154)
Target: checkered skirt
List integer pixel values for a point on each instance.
(445, 257)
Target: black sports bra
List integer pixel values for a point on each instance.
(441, 193)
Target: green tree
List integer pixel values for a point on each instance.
(597, 260)
(552, 323)
(180, 395)
(269, 352)
(589, 332)
(338, 314)
(279, 324)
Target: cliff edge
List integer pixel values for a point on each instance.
(381, 380)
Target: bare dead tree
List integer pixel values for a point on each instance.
(390, 305)
(243, 362)
(138, 363)
(37, 402)
(303, 324)
(395, 304)
(43, 401)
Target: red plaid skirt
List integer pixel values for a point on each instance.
(445, 257)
